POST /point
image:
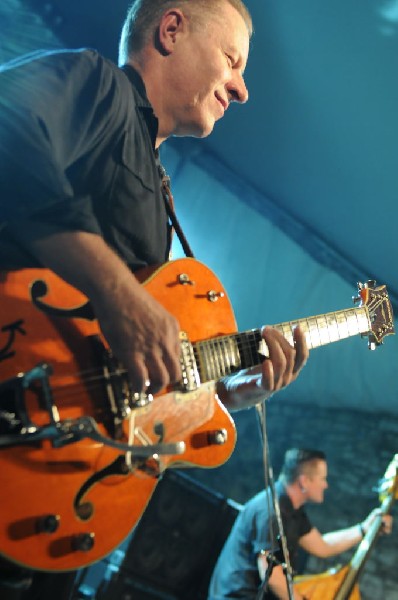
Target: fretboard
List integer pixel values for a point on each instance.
(224, 355)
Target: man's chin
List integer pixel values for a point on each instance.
(204, 129)
(205, 132)
(201, 130)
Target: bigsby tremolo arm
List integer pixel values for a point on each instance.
(68, 432)
(21, 430)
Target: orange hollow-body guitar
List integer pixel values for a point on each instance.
(67, 496)
(39, 483)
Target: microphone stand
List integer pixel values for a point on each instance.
(283, 549)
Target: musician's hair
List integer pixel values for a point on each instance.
(298, 461)
(143, 18)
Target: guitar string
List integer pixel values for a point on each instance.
(94, 377)
(88, 376)
(244, 343)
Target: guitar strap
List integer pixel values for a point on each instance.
(169, 204)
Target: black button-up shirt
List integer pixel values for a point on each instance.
(77, 139)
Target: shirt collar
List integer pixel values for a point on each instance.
(138, 84)
(141, 99)
(286, 504)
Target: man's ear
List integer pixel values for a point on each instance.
(302, 482)
(172, 24)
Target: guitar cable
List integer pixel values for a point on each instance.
(269, 485)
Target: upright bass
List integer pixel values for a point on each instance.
(342, 583)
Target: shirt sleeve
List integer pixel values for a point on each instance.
(53, 110)
(305, 524)
(261, 525)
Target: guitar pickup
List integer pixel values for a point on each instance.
(190, 374)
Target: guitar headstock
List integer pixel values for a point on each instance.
(380, 312)
(388, 485)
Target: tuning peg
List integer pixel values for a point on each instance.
(371, 283)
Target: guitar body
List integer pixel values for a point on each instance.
(324, 586)
(46, 323)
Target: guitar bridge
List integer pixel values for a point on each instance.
(119, 399)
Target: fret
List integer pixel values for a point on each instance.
(342, 324)
(333, 327)
(287, 331)
(352, 323)
(249, 347)
(232, 358)
(215, 373)
(224, 355)
(218, 357)
(206, 363)
(212, 358)
(312, 332)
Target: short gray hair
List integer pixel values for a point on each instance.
(143, 16)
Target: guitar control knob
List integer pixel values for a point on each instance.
(213, 296)
(217, 437)
(83, 542)
(47, 524)
(184, 279)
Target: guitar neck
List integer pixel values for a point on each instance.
(224, 355)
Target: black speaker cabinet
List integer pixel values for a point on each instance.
(175, 545)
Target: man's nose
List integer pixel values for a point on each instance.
(237, 89)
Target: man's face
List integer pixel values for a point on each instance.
(315, 482)
(208, 72)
